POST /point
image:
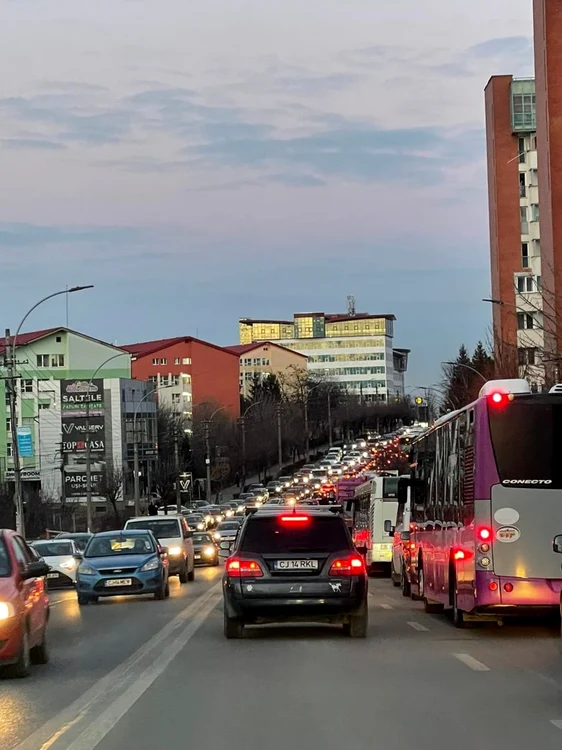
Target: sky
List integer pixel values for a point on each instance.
(199, 161)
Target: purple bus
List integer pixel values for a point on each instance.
(486, 506)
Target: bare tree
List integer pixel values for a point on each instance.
(111, 489)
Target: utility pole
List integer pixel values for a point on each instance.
(208, 457)
(306, 435)
(279, 438)
(330, 418)
(136, 470)
(89, 510)
(11, 385)
(177, 460)
(243, 426)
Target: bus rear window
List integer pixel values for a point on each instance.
(527, 441)
(390, 488)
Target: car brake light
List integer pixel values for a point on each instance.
(294, 519)
(484, 533)
(347, 567)
(243, 569)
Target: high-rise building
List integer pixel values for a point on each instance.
(352, 349)
(524, 145)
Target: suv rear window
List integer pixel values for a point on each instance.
(164, 529)
(271, 535)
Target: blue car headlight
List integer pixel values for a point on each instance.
(86, 570)
(152, 564)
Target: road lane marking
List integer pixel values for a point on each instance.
(110, 687)
(418, 626)
(557, 723)
(472, 663)
(387, 606)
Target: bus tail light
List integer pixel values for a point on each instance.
(508, 587)
(493, 586)
(484, 533)
(459, 554)
(484, 548)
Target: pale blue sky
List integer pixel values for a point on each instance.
(204, 161)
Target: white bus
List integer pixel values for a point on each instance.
(375, 508)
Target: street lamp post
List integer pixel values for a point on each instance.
(279, 438)
(243, 426)
(89, 513)
(11, 346)
(208, 449)
(467, 367)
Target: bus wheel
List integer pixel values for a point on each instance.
(432, 608)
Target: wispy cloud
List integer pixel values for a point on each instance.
(31, 144)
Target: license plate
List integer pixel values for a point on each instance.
(296, 565)
(119, 582)
(52, 575)
(197, 557)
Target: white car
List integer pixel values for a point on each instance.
(173, 533)
(63, 557)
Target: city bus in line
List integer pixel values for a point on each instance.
(486, 506)
(375, 508)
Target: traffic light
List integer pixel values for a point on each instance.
(419, 400)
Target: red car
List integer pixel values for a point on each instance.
(24, 605)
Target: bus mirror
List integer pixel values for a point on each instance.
(557, 544)
(402, 494)
(388, 527)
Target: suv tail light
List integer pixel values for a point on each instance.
(243, 568)
(349, 566)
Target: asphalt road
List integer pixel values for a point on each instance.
(146, 674)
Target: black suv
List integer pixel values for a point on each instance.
(295, 564)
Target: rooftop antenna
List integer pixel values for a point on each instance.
(350, 304)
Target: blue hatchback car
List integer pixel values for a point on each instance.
(117, 563)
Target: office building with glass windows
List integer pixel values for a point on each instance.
(352, 349)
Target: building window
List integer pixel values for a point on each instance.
(524, 222)
(57, 360)
(522, 186)
(153, 379)
(177, 360)
(247, 362)
(155, 361)
(521, 150)
(27, 386)
(8, 425)
(527, 356)
(520, 284)
(525, 321)
(9, 451)
(525, 254)
(42, 360)
(534, 211)
(176, 398)
(59, 339)
(44, 405)
(186, 361)
(163, 361)
(265, 362)
(175, 379)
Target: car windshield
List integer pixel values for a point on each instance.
(228, 526)
(202, 539)
(120, 543)
(5, 566)
(80, 540)
(162, 529)
(271, 535)
(197, 518)
(54, 548)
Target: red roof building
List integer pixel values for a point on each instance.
(212, 372)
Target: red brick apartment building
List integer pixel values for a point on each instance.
(524, 145)
(201, 372)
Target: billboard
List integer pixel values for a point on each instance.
(25, 442)
(82, 404)
(82, 417)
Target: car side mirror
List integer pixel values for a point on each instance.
(78, 556)
(557, 544)
(388, 527)
(162, 551)
(37, 569)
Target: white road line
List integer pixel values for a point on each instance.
(418, 626)
(472, 663)
(61, 601)
(557, 723)
(387, 606)
(113, 691)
